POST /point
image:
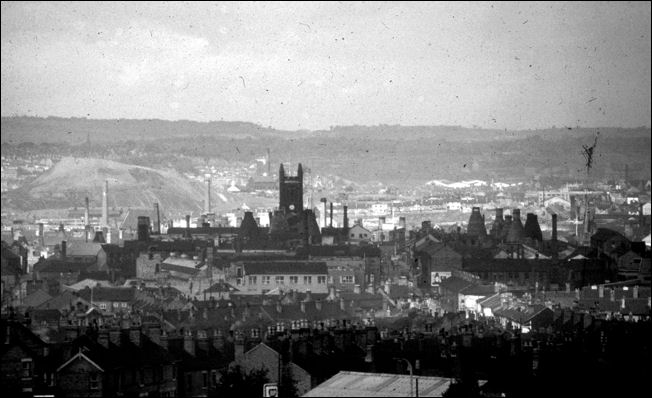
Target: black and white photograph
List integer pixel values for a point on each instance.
(325, 199)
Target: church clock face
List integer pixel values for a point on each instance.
(292, 207)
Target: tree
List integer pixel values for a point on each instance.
(236, 382)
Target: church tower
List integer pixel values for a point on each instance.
(290, 191)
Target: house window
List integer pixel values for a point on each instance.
(280, 280)
(321, 280)
(294, 280)
(123, 305)
(346, 279)
(238, 272)
(102, 306)
(252, 280)
(94, 382)
(116, 305)
(266, 280)
(27, 367)
(353, 235)
(307, 280)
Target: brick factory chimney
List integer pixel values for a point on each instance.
(345, 221)
(324, 201)
(331, 224)
(157, 219)
(207, 196)
(105, 205)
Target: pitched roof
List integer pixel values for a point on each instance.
(455, 284)
(36, 298)
(221, 287)
(285, 268)
(123, 294)
(358, 384)
(62, 301)
(53, 264)
(83, 248)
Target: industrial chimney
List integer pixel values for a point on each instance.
(105, 205)
(41, 238)
(86, 214)
(324, 201)
(345, 221)
(331, 225)
(157, 219)
(207, 196)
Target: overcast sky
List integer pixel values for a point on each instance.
(315, 65)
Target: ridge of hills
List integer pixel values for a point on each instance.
(17, 129)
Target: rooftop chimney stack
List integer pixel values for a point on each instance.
(63, 249)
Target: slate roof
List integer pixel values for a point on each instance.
(285, 268)
(62, 301)
(53, 264)
(340, 251)
(122, 294)
(83, 248)
(455, 284)
(36, 298)
(221, 287)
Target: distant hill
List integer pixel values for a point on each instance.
(77, 130)
(72, 179)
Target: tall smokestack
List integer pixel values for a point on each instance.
(187, 221)
(555, 253)
(105, 205)
(157, 219)
(64, 245)
(269, 164)
(331, 215)
(324, 201)
(207, 196)
(86, 213)
(41, 238)
(345, 221)
(86, 219)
